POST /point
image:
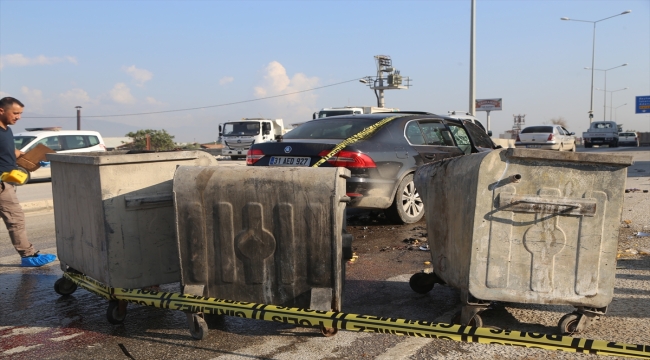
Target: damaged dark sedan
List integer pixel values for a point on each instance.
(382, 164)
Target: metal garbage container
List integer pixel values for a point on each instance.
(114, 217)
(265, 235)
(525, 226)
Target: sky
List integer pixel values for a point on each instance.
(219, 61)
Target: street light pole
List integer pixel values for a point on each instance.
(605, 98)
(593, 55)
(611, 98)
(78, 117)
(472, 65)
(616, 112)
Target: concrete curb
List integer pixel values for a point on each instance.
(39, 205)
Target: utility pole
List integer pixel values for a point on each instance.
(379, 83)
(78, 117)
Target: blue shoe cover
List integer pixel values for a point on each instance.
(37, 260)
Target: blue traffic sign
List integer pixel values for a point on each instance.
(642, 104)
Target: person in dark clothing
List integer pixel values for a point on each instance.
(10, 209)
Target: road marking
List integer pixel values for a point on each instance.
(315, 348)
(20, 349)
(67, 337)
(404, 349)
(321, 347)
(25, 331)
(269, 345)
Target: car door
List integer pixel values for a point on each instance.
(560, 135)
(570, 139)
(431, 139)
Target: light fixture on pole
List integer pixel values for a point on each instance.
(593, 53)
(611, 97)
(616, 112)
(605, 100)
(388, 78)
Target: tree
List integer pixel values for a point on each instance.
(559, 121)
(160, 140)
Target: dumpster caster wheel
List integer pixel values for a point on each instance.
(422, 283)
(64, 287)
(116, 312)
(198, 327)
(328, 331)
(569, 324)
(476, 321)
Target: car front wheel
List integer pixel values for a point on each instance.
(407, 207)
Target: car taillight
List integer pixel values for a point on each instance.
(518, 139)
(253, 155)
(551, 137)
(349, 159)
(102, 146)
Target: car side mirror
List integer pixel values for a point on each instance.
(572, 133)
(490, 133)
(313, 116)
(219, 129)
(267, 132)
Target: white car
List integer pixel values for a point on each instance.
(61, 141)
(628, 138)
(546, 137)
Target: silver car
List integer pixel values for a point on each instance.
(546, 137)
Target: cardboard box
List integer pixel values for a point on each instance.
(31, 160)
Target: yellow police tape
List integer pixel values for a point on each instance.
(364, 323)
(356, 137)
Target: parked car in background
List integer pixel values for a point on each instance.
(546, 137)
(383, 164)
(628, 139)
(61, 141)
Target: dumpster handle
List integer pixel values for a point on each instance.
(538, 204)
(158, 200)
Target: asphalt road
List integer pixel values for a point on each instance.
(37, 323)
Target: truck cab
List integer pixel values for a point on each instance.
(238, 136)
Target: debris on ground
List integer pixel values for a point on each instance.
(642, 234)
(424, 247)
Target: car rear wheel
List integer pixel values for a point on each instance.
(407, 207)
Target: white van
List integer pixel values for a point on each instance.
(61, 141)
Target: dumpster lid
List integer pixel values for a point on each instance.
(121, 157)
(583, 158)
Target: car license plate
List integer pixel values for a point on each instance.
(534, 146)
(289, 161)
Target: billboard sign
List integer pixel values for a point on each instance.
(642, 105)
(488, 104)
